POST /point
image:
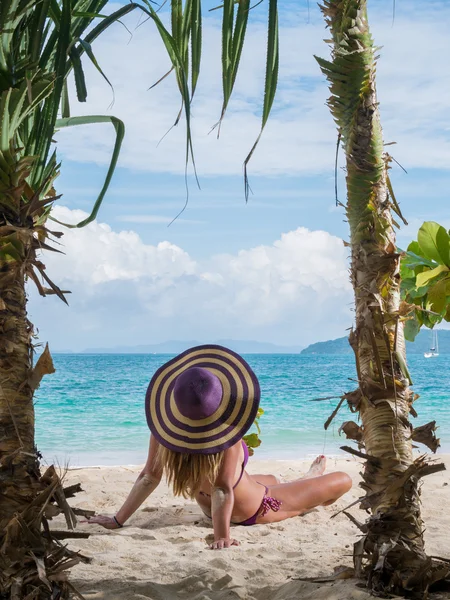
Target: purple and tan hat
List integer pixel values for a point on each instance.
(202, 401)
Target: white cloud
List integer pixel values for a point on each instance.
(293, 291)
(300, 135)
(96, 254)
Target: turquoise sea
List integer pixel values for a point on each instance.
(91, 411)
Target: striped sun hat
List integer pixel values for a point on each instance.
(202, 401)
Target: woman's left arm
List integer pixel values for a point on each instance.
(222, 499)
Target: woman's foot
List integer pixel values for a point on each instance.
(317, 467)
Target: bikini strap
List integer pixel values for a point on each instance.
(246, 454)
(244, 464)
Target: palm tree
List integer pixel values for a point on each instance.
(41, 43)
(391, 552)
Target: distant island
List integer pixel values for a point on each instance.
(337, 346)
(177, 346)
(419, 346)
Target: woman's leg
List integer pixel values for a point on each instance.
(317, 468)
(267, 480)
(299, 496)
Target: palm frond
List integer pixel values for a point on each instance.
(186, 30)
(270, 87)
(233, 36)
(196, 43)
(120, 133)
(175, 47)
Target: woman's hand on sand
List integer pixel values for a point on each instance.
(104, 521)
(223, 543)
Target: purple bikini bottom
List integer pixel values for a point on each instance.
(268, 503)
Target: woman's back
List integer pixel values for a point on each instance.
(247, 492)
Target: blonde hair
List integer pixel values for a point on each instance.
(185, 472)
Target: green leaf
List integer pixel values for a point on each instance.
(88, 49)
(411, 329)
(412, 260)
(405, 272)
(415, 248)
(435, 242)
(227, 46)
(434, 319)
(177, 62)
(447, 313)
(410, 290)
(38, 28)
(437, 296)
(196, 43)
(416, 292)
(424, 277)
(109, 20)
(65, 105)
(252, 440)
(271, 82)
(88, 14)
(233, 36)
(78, 73)
(120, 132)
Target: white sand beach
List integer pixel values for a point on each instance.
(162, 553)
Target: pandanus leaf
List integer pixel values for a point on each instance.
(88, 49)
(120, 132)
(186, 24)
(78, 73)
(233, 36)
(176, 59)
(196, 43)
(271, 81)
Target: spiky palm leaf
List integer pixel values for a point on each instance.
(183, 45)
(391, 553)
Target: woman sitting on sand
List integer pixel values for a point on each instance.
(199, 405)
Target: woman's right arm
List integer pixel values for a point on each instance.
(145, 484)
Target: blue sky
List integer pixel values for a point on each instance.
(274, 269)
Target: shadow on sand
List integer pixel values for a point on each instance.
(202, 586)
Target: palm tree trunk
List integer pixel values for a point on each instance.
(394, 542)
(19, 469)
(391, 554)
(32, 564)
(16, 396)
(40, 47)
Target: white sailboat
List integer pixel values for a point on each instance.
(434, 348)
